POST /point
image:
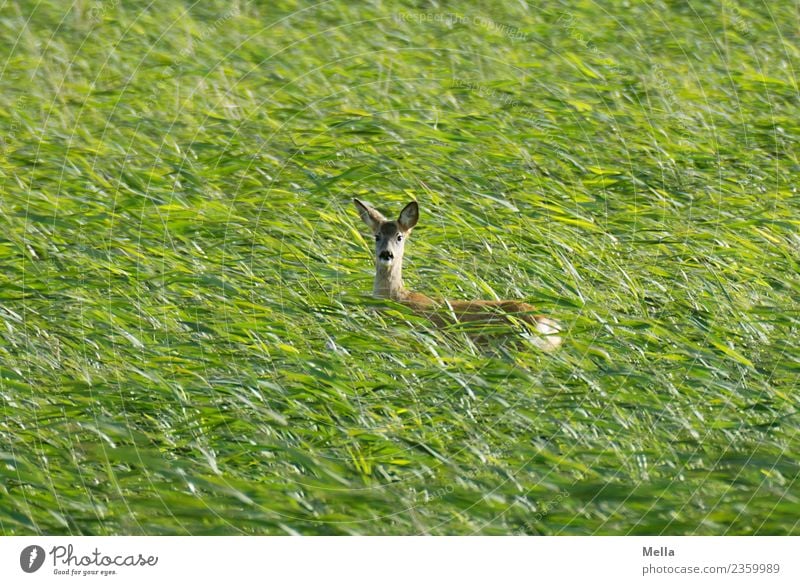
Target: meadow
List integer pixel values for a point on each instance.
(187, 339)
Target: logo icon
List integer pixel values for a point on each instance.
(31, 558)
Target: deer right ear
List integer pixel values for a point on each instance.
(369, 215)
(409, 216)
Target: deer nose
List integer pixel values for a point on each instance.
(386, 255)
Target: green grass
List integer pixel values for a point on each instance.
(187, 344)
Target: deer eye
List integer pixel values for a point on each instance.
(399, 237)
(377, 237)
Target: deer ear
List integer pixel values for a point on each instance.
(369, 215)
(409, 216)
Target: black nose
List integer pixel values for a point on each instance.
(386, 255)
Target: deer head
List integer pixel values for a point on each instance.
(390, 240)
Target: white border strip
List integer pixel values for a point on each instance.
(400, 560)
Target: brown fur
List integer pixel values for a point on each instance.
(390, 242)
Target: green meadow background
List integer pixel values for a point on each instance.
(187, 342)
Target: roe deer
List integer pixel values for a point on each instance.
(390, 240)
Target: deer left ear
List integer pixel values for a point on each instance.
(409, 216)
(369, 215)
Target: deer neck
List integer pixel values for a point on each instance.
(389, 281)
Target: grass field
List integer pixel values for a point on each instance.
(187, 342)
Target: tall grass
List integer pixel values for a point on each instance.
(187, 344)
